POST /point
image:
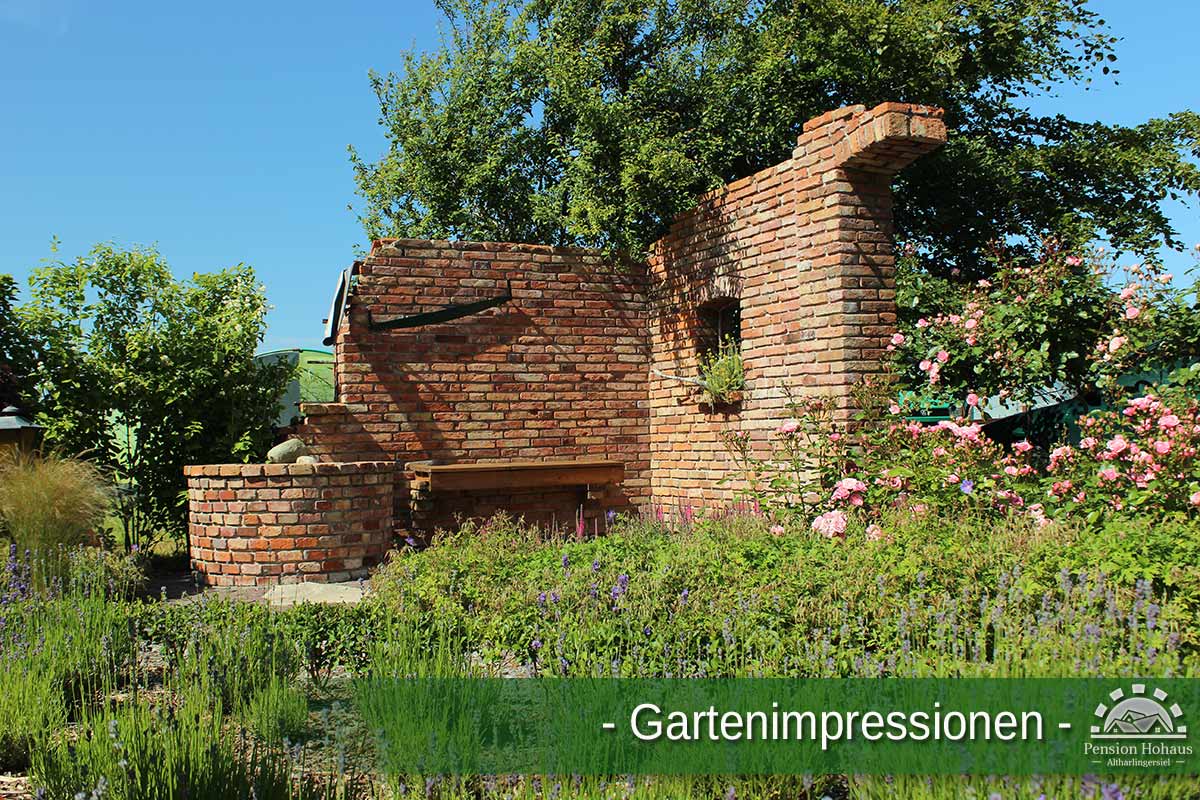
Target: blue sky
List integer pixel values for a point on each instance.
(218, 130)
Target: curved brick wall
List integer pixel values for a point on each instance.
(256, 524)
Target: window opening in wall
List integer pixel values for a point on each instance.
(720, 324)
(720, 349)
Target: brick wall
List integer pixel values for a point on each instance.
(583, 362)
(806, 248)
(557, 373)
(255, 524)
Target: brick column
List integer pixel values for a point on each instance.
(844, 164)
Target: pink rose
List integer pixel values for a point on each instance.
(1132, 312)
(1129, 291)
(1022, 447)
(777, 530)
(922, 323)
(897, 339)
(1168, 422)
(830, 524)
(788, 427)
(1074, 261)
(1108, 474)
(1195, 498)
(973, 400)
(1116, 343)
(970, 324)
(874, 533)
(943, 356)
(1162, 448)
(925, 365)
(1117, 445)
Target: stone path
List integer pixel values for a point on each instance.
(290, 594)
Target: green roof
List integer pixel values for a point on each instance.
(312, 383)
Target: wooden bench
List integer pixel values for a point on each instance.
(433, 477)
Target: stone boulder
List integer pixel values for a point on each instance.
(287, 452)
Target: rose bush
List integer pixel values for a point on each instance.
(1144, 455)
(1069, 321)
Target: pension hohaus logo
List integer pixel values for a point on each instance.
(1138, 728)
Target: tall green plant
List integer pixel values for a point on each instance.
(49, 504)
(147, 373)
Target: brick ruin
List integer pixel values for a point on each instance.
(565, 402)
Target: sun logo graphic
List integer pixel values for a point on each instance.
(1139, 716)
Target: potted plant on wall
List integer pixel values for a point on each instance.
(723, 374)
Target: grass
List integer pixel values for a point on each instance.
(48, 502)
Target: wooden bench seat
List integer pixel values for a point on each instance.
(433, 477)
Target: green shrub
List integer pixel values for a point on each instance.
(31, 704)
(328, 638)
(57, 656)
(143, 752)
(49, 502)
(277, 712)
(740, 596)
(231, 650)
(79, 572)
(96, 572)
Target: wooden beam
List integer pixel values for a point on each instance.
(516, 474)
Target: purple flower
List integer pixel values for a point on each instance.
(683, 596)
(554, 597)
(566, 562)
(536, 644)
(595, 566)
(967, 486)
(1111, 791)
(610, 516)
(410, 541)
(541, 598)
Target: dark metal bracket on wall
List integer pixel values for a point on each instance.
(446, 314)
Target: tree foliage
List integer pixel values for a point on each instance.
(146, 374)
(595, 121)
(16, 352)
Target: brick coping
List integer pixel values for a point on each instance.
(277, 470)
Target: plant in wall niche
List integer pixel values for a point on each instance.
(722, 372)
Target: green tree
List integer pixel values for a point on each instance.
(146, 374)
(16, 352)
(595, 121)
